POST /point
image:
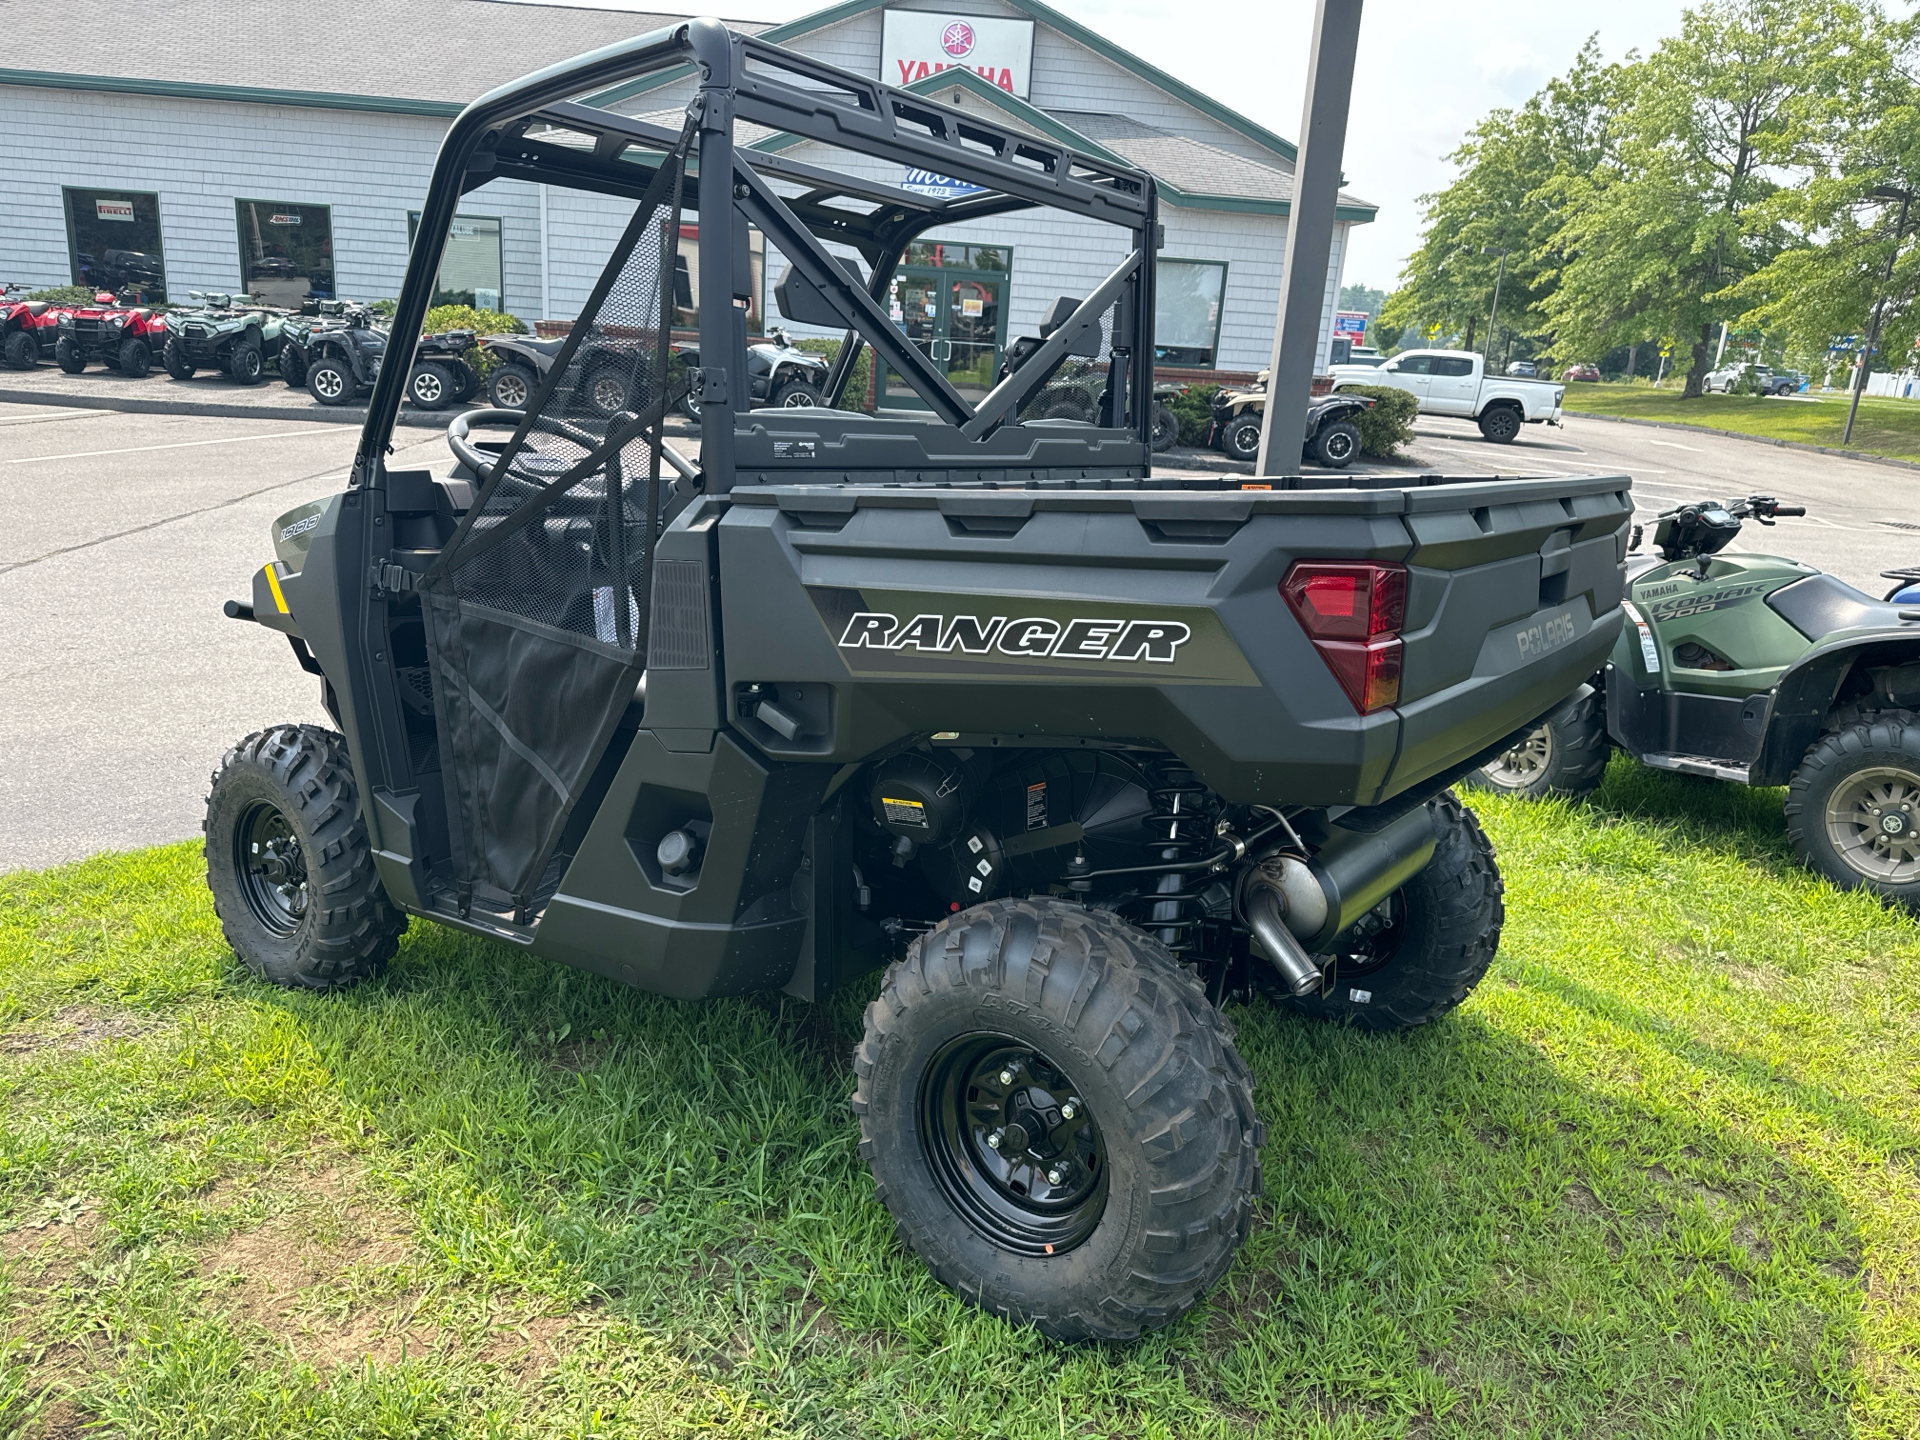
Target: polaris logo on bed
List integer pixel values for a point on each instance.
(1117, 640)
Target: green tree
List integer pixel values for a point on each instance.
(1362, 297)
(1657, 236)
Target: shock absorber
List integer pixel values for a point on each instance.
(1181, 829)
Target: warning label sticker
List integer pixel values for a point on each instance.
(905, 812)
(1037, 806)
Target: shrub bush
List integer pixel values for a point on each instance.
(1194, 409)
(65, 295)
(1388, 423)
(859, 391)
(481, 322)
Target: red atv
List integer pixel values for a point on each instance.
(124, 337)
(26, 327)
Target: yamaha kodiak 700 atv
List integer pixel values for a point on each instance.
(122, 336)
(1074, 752)
(779, 373)
(226, 333)
(1333, 432)
(340, 358)
(1763, 671)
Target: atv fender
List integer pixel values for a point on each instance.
(1807, 693)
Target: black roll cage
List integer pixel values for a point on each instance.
(507, 134)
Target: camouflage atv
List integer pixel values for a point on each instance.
(226, 333)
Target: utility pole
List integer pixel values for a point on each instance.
(1316, 192)
(1499, 276)
(1905, 197)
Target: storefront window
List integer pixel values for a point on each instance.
(686, 281)
(113, 242)
(286, 251)
(470, 266)
(1186, 311)
(948, 256)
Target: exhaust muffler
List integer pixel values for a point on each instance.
(1297, 907)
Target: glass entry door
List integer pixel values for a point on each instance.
(956, 315)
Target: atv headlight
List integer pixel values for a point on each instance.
(65, 322)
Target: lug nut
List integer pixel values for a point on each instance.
(993, 1140)
(1006, 1076)
(1055, 1175)
(1069, 1110)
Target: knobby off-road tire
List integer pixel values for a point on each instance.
(511, 387)
(135, 357)
(246, 363)
(796, 394)
(173, 356)
(430, 386)
(1162, 1160)
(1565, 756)
(292, 366)
(1241, 437)
(1421, 952)
(1853, 806)
(290, 865)
(1501, 424)
(67, 355)
(1337, 445)
(330, 382)
(1163, 427)
(23, 350)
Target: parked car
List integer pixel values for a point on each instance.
(1786, 382)
(123, 337)
(1581, 372)
(225, 333)
(1455, 382)
(1524, 370)
(26, 327)
(1723, 380)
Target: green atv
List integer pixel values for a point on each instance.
(225, 333)
(1759, 670)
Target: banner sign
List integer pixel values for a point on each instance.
(283, 219)
(1350, 322)
(939, 187)
(114, 209)
(918, 43)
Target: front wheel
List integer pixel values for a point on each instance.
(136, 357)
(1057, 1119)
(430, 386)
(1421, 951)
(330, 382)
(1853, 806)
(23, 350)
(290, 865)
(1163, 428)
(1241, 437)
(173, 355)
(607, 390)
(1500, 424)
(796, 394)
(66, 354)
(1564, 755)
(293, 367)
(511, 386)
(1336, 445)
(245, 363)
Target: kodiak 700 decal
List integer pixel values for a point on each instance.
(907, 632)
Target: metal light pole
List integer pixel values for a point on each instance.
(1905, 197)
(1498, 277)
(1316, 192)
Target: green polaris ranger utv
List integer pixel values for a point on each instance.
(1074, 752)
(1762, 671)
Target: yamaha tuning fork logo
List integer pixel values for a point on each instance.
(957, 39)
(1125, 641)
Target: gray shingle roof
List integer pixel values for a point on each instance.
(441, 50)
(1187, 164)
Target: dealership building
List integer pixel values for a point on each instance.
(284, 148)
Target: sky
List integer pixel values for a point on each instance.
(1425, 74)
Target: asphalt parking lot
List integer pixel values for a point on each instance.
(121, 534)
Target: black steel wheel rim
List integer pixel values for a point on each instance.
(1012, 1145)
(272, 869)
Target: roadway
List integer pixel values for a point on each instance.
(121, 534)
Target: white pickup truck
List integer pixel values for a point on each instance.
(1455, 382)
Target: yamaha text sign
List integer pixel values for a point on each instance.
(917, 43)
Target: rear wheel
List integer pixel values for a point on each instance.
(136, 356)
(1057, 1119)
(293, 367)
(173, 355)
(1163, 428)
(1421, 951)
(510, 387)
(290, 865)
(66, 354)
(245, 364)
(1336, 445)
(430, 386)
(1567, 755)
(607, 390)
(330, 382)
(1853, 806)
(22, 350)
(1500, 424)
(1241, 437)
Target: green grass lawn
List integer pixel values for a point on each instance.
(1883, 426)
(1656, 1178)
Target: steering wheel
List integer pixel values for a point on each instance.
(482, 464)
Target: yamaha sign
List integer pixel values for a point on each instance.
(917, 43)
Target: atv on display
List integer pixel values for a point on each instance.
(27, 327)
(123, 337)
(520, 363)
(1165, 425)
(1762, 671)
(1332, 436)
(779, 373)
(226, 333)
(339, 359)
(1075, 752)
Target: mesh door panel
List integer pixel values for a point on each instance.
(1074, 390)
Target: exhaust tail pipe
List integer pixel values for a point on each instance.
(1297, 907)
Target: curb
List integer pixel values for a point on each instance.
(1751, 439)
(338, 415)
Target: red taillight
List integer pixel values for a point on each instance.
(1352, 611)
